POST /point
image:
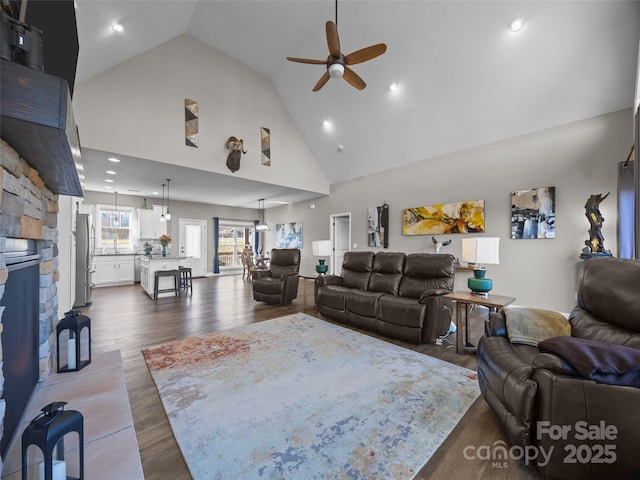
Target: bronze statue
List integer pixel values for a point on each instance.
(595, 244)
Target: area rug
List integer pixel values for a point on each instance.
(300, 398)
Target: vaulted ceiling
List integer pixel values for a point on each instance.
(464, 79)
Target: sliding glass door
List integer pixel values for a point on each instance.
(232, 239)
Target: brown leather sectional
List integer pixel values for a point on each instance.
(394, 294)
(543, 404)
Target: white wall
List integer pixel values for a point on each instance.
(136, 108)
(579, 159)
(66, 284)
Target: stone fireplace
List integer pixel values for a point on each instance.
(28, 210)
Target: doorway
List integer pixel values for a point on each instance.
(340, 228)
(192, 243)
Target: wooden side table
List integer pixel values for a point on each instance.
(305, 279)
(463, 301)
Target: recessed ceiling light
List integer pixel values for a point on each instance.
(340, 148)
(108, 180)
(111, 172)
(517, 24)
(393, 87)
(154, 193)
(114, 159)
(107, 187)
(117, 27)
(326, 124)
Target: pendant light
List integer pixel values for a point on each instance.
(162, 218)
(262, 225)
(168, 214)
(116, 221)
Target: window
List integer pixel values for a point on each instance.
(114, 227)
(231, 241)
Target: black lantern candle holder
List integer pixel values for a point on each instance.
(76, 342)
(47, 431)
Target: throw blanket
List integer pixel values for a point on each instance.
(530, 326)
(600, 362)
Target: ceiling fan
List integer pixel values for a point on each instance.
(337, 63)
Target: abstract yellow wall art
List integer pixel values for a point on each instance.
(460, 217)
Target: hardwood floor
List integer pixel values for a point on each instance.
(125, 318)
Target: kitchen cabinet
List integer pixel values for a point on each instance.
(149, 224)
(113, 270)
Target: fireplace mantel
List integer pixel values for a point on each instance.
(37, 121)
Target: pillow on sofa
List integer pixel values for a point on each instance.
(531, 326)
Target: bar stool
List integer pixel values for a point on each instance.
(167, 273)
(186, 280)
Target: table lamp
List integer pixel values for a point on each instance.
(321, 248)
(477, 251)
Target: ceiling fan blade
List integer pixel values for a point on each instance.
(353, 78)
(332, 39)
(323, 79)
(365, 54)
(307, 60)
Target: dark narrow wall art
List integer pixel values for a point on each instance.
(191, 123)
(378, 226)
(265, 143)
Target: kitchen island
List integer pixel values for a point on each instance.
(150, 264)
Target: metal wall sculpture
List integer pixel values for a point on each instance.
(444, 218)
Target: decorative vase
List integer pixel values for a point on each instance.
(321, 268)
(164, 251)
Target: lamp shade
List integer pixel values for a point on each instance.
(478, 250)
(321, 248)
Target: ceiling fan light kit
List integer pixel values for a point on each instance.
(337, 63)
(336, 70)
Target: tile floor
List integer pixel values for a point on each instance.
(99, 392)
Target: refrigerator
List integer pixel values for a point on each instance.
(85, 239)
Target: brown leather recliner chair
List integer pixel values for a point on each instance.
(278, 285)
(542, 403)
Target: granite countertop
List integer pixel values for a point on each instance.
(113, 254)
(168, 257)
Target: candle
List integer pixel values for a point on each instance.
(71, 354)
(59, 470)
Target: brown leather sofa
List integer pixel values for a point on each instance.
(534, 395)
(279, 284)
(393, 294)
